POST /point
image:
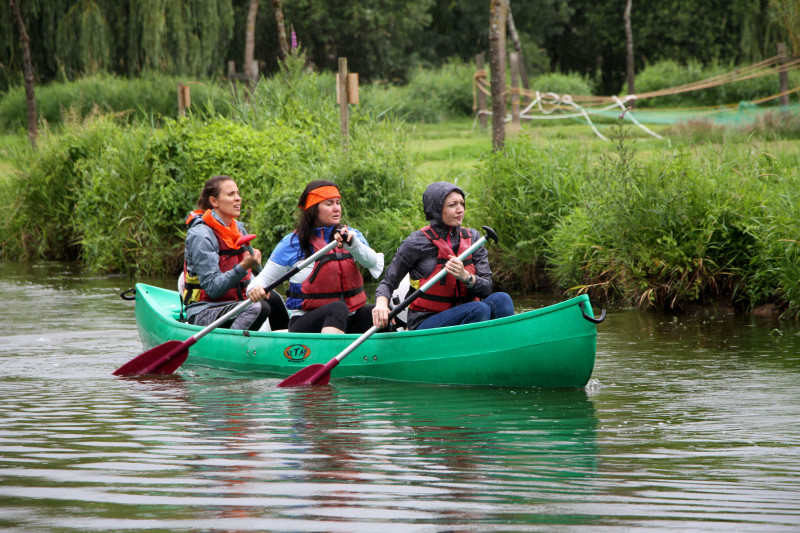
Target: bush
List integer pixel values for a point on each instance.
(683, 228)
(562, 84)
(431, 95)
(522, 194)
(116, 195)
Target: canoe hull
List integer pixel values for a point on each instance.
(549, 347)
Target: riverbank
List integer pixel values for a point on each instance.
(635, 221)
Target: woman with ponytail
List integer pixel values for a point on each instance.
(216, 270)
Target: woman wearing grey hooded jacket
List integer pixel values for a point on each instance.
(465, 295)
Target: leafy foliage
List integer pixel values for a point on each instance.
(115, 195)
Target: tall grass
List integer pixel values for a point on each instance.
(685, 227)
(152, 95)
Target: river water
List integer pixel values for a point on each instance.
(689, 423)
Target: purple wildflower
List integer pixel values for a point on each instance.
(294, 39)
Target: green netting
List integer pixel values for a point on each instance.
(744, 114)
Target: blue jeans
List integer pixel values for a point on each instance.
(496, 305)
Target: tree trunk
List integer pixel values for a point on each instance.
(629, 48)
(278, 7)
(497, 65)
(250, 39)
(512, 29)
(30, 97)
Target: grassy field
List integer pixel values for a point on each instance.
(447, 149)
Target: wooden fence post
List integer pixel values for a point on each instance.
(342, 98)
(514, 63)
(233, 79)
(479, 63)
(181, 100)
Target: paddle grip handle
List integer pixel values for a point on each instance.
(256, 269)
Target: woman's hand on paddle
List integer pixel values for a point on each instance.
(343, 236)
(251, 260)
(456, 268)
(380, 313)
(257, 293)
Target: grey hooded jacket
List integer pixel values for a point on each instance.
(417, 254)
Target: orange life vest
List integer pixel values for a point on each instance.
(335, 277)
(228, 258)
(448, 292)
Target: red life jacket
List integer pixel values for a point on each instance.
(335, 277)
(228, 258)
(448, 292)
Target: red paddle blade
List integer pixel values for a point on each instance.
(245, 239)
(308, 376)
(163, 359)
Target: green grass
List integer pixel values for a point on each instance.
(9, 144)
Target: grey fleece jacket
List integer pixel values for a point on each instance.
(417, 254)
(202, 258)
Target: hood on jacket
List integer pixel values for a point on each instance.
(433, 201)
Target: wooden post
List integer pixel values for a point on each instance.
(514, 63)
(343, 99)
(479, 63)
(783, 76)
(352, 88)
(233, 79)
(181, 100)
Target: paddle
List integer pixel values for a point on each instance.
(245, 240)
(319, 374)
(166, 358)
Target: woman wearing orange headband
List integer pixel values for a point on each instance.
(328, 296)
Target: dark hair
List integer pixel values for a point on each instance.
(308, 217)
(211, 188)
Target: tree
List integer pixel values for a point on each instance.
(277, 6)
(512, 29)
(30, 97)
(498, 14)
(629, 49)
(788, 12)
(250, 39)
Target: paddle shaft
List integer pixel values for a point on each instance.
(130, 367)
(246, 303)
(393, 313)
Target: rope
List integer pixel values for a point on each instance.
(548, 103)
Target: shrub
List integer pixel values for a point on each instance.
(562, 84)
(522, 194)
(431, 95)
(115, 195)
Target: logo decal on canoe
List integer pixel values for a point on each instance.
(296, 352)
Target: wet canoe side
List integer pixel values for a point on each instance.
(549, 347)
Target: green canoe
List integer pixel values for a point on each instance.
(549, 347)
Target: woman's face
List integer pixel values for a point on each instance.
(329, 212)
(227, 203)
(453, 210)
